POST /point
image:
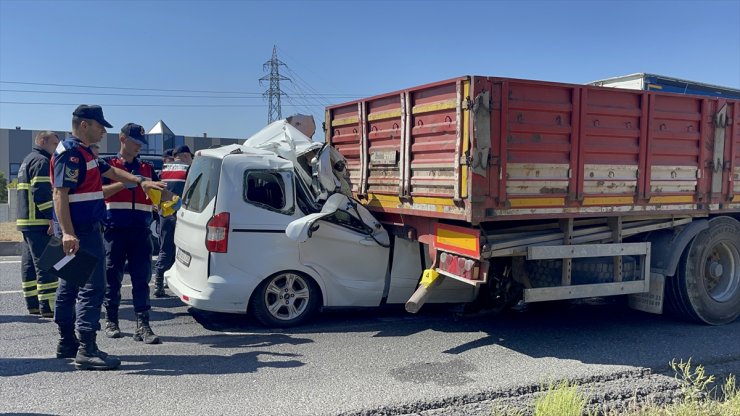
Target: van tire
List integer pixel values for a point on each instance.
(285, 299)
(706, 287)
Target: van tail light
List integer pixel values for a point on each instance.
(217, 234)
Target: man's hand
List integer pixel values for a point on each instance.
(50, 230)
(147, 185)
(70, 243)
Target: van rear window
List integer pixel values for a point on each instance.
(202, 183)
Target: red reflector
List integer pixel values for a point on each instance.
(185, 298)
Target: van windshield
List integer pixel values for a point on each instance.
(202, 183)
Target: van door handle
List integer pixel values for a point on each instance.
(367, 241)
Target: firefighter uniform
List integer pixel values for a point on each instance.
(174, 175)
(128, 238)
(35, 210)
(75, 167)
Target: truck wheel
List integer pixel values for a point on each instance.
(706, 287)
(285, 299)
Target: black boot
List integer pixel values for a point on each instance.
(68, 342)
(111, 325)
(159, 287)
(89, 357)
(144, 331)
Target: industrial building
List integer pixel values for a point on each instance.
(16, 143)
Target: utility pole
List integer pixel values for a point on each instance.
(273, 94)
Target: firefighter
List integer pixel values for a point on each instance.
(127, 236)
(174, 175)
(78, 211)
(35, 209)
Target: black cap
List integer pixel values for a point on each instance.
(135, 132)
(182, 149)
(91, 112)
(168, 153)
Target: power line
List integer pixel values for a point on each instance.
(255, 95)
(273, 93)
(143, 105)
(339, 95)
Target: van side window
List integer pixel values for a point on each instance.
(265, 189)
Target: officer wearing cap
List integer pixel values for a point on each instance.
(167, 156)
(127, 235)
(79, 209)
(174, 175)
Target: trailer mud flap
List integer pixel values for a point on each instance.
(652, 301)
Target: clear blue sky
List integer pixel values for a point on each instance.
(340, 50)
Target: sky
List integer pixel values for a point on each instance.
(197, 64)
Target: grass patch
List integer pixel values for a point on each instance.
(699, 398)
(9, 233)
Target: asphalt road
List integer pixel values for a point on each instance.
(346, 362)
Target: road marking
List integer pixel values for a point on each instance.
(10, 262)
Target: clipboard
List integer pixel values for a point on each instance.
(75, 269)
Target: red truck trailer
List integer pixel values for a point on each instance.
(537, 191)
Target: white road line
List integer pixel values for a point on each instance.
(10, 262)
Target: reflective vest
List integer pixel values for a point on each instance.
(86, 203)
(175, 174)
(35, 204)
(129, 207)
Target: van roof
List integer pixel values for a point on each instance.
(264, 159)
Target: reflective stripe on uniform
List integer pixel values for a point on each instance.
(127, 205)
(31, 222)
(48, 296)
(29, 283)
(47, 286)
(45, 205)
(41, 179)
(92, 164)
(24, 186)
(86, 196)
(31, 293)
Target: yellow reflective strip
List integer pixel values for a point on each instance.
(736, 198)
(45, 205)
(31, 222)
(29, 283)
(24, 186)
(32, 293)
(457, 239)
(384, 115)
(45, 286)
(428, 108)
(344, 121)
(536, 202)
(608, 200)
(47, 296)
(40, 179)
(677, 199)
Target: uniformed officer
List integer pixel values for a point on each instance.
(174, 175)
(78, 211)
(35, 209)
(127, 236)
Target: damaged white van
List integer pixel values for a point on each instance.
(268, 228)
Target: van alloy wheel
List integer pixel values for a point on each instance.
(285, 299)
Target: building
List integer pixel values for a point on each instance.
(16, 143)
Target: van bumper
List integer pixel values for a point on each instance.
(217, 296)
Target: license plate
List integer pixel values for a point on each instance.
(183, 257)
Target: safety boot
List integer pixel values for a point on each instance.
(159, 287)
(144, 331)
(68, 342)
(46, 310)
(111, 324)
(89, 357)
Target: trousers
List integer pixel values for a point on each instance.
(39, 286)
(166, 257)
(133, 245)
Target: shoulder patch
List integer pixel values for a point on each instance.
(71, 174)
(74, 159)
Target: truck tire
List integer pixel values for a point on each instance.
(706, 287)
(285, 299)
(548, 273)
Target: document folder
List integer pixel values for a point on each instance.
(75, 269)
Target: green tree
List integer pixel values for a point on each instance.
(3, 189)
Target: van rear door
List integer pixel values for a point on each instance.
(198, 205)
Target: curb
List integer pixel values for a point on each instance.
(10, 248)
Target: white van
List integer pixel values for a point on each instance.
(233, 250)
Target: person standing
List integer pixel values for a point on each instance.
(78, 211)
(174, 175)
(127, 236)
(35, 207)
